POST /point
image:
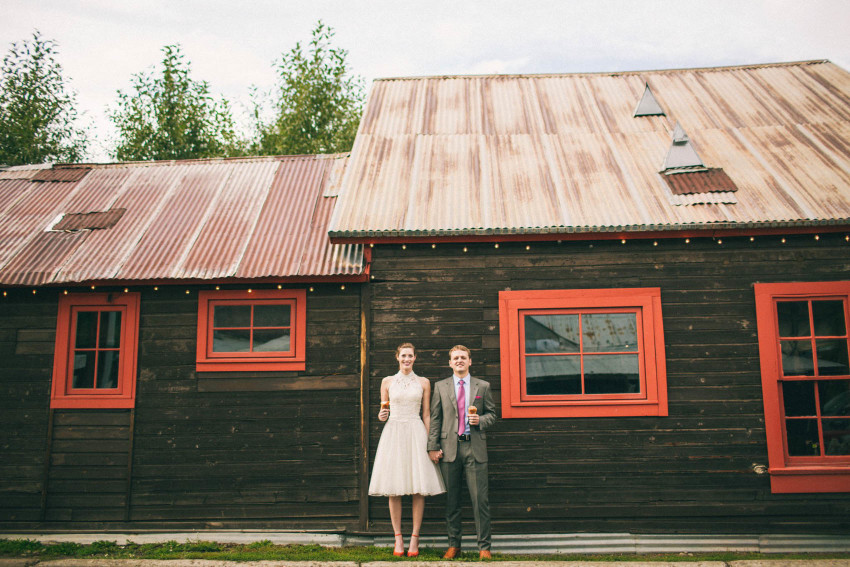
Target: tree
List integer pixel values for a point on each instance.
(172, 116)
(37, 109)
(317, 103)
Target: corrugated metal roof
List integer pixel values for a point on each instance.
(703, 181)
(186, 220)
(557, 154)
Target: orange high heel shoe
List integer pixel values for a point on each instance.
(396, 551)
(413, 553)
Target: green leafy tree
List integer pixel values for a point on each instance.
(317, 104)
(38, 114)
(172, 116)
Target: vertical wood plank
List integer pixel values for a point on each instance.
(46, 475)
(365, 315)
(130, 441)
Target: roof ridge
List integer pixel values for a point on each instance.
(613, 73)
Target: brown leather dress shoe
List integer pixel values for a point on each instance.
(484, 554)
(451, 553)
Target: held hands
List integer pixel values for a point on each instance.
(436, 455)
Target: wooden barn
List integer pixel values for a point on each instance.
(652, 270)
(181, 346)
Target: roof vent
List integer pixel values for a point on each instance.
(681, 153)
(648, 105)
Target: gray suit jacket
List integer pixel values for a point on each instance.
(444, 419)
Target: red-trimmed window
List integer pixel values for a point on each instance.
(96, 348)
(805, 374)
(582, 353)
(254, 331)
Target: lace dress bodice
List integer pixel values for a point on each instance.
(405, 397)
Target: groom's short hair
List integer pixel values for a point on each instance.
(460, 347)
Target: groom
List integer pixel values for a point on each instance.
(461, 446)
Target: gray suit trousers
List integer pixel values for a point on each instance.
(476, 482)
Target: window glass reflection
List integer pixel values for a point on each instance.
(553, 375)
(86, 330)
(793, 318)
(271, 340)
(107, 369)
(271, 315)
(832, 357)
(799, 398)
(802, 437)
(611, 374)
(834, 397)
(797, 358)
(829, 318)
(836, 436)
(84, 363)
(232, 340)
(232, 316)
(551, 333)
(110, 329)
(609, 332)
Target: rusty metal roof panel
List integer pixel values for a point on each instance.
(184, 220)
(533, 154)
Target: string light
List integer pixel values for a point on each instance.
(464, 248)
(720, 241)
(687, 241)
(817, 237)
(655, 243)
(92, 287)
(250, 290)
(783, 240)
(404, 246)
(528, 247)
(433, 245)
(752, 239)
(279, 286)
(342, 287)
(496, 245)
(187, 292)
(156, 288)
(622, 241)
(311, 289)
(33, 292)
(65, 292)
(371, 245)
(126, 290)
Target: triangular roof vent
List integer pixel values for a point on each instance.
(681, 153)
(648, 105)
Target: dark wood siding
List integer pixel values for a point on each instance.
(689, 472)
(27, 334)
(210, 450)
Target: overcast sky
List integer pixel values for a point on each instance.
(232, 44)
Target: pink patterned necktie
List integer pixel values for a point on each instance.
(461, 409)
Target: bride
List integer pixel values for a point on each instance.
(401, 464)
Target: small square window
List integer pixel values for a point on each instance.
(260, 330)
(96, 349)
(582, 353)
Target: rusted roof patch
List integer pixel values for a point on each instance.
(89, 221)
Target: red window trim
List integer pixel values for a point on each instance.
(645, 301)
(295, 359)
(792, 474)
(63, 395)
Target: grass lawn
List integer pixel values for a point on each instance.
(267, 551)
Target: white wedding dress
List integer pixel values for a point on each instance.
(401, 464)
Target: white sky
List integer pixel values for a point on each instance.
(232, 44)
